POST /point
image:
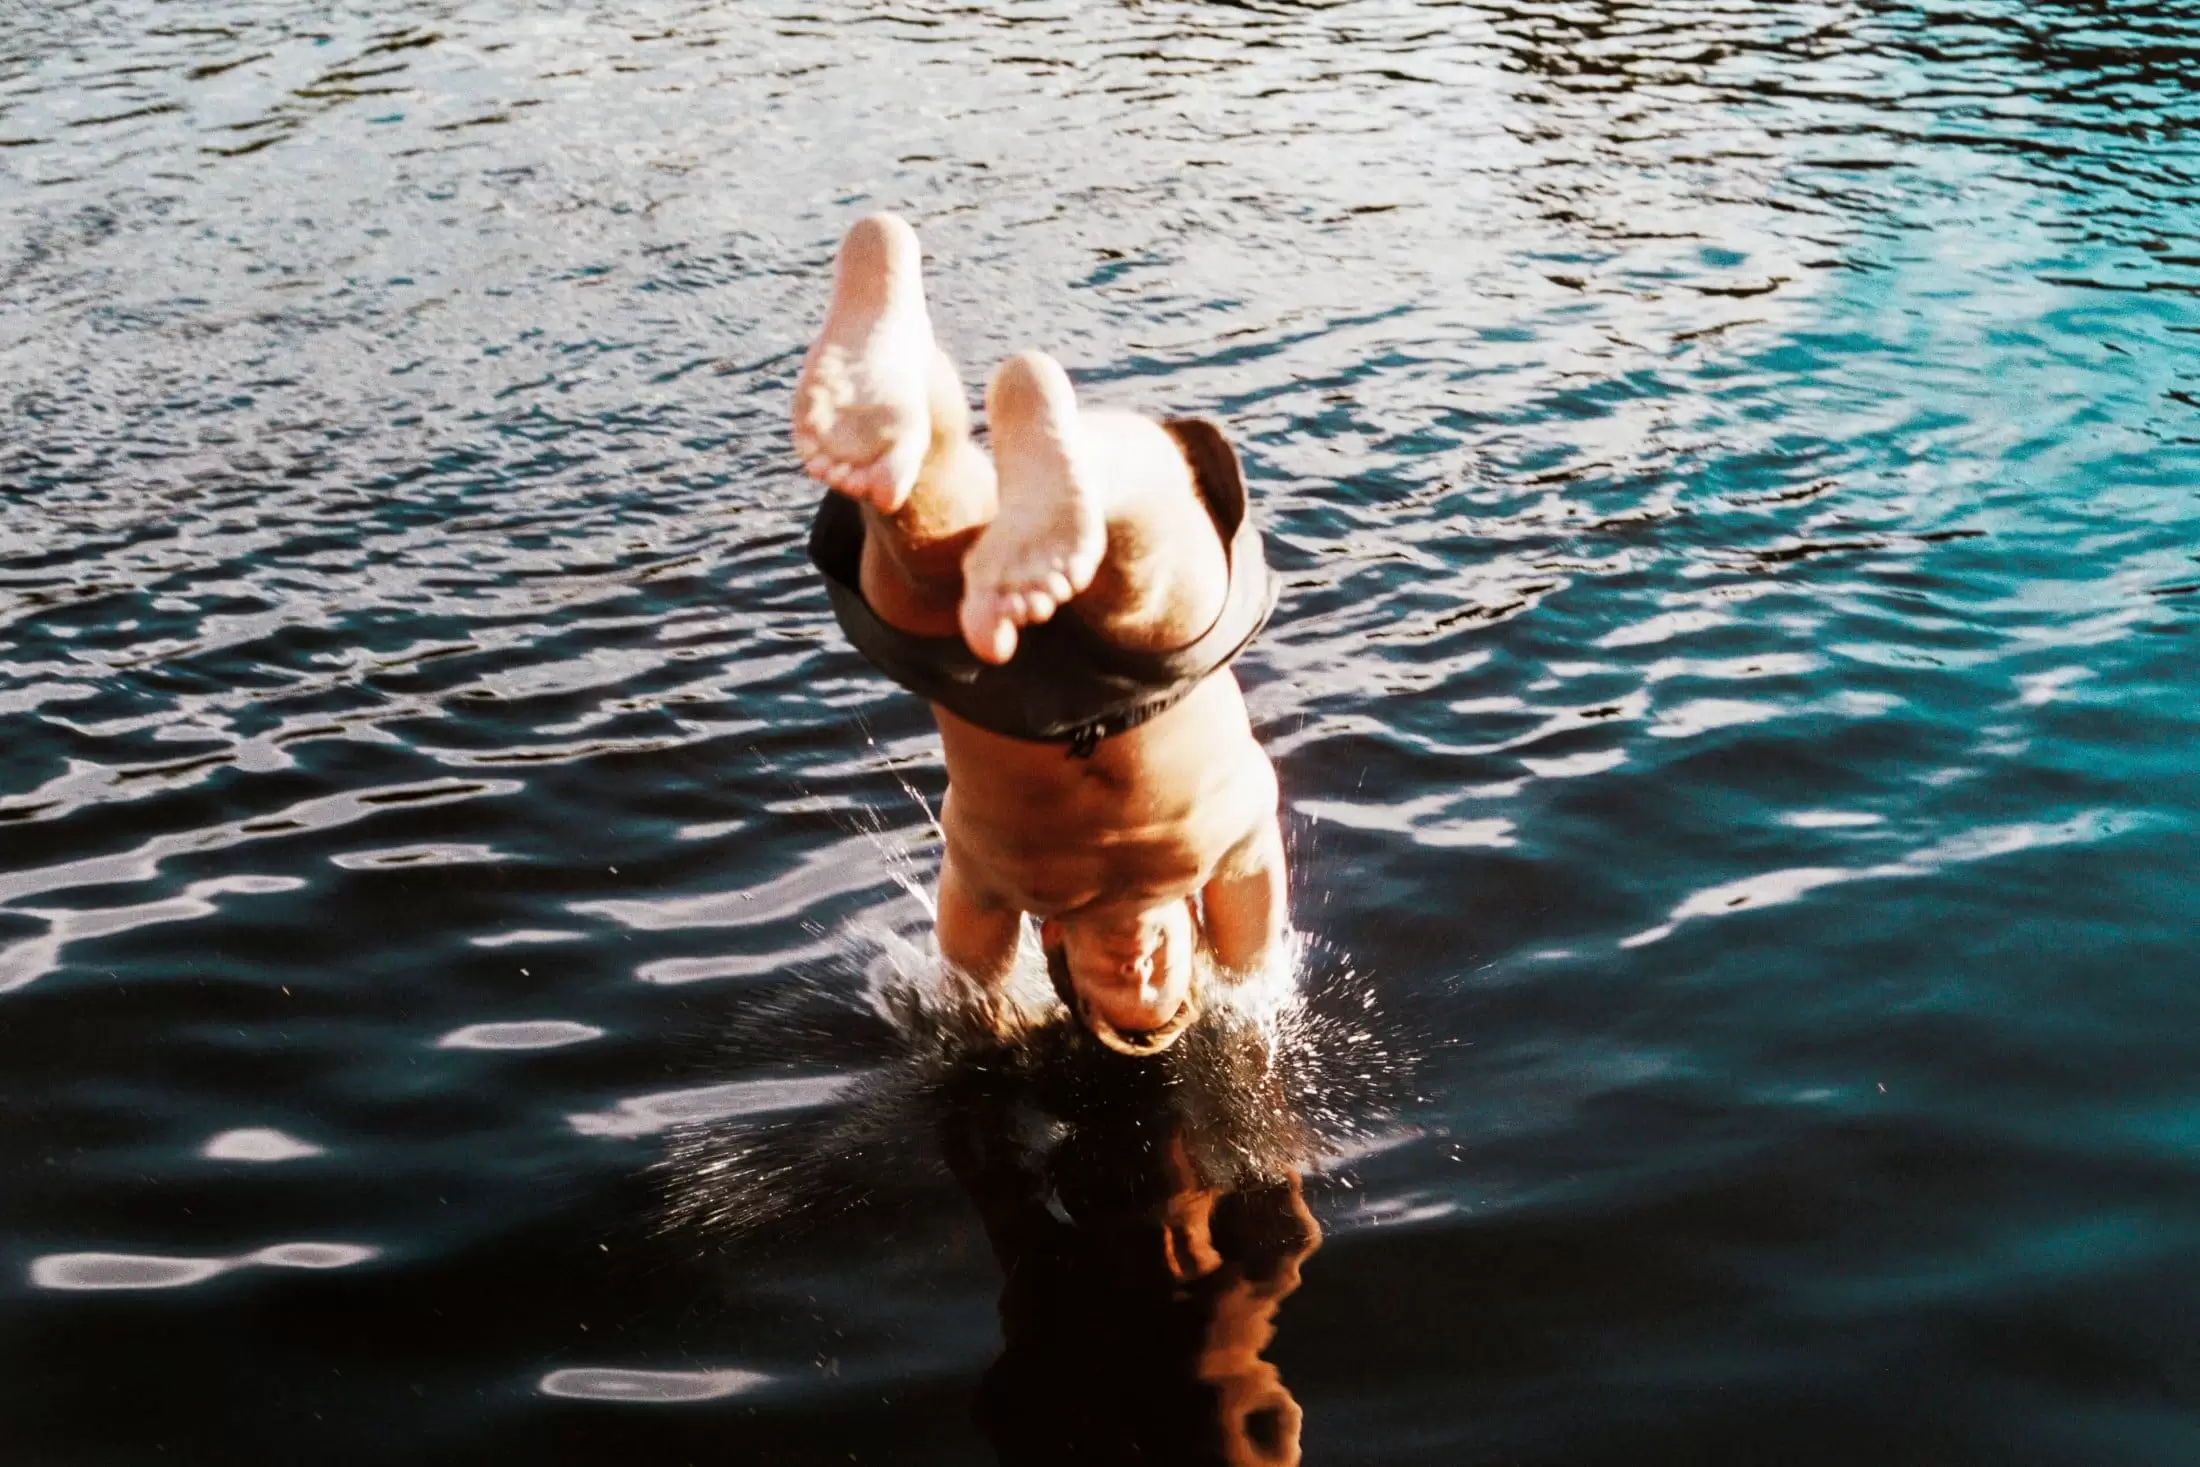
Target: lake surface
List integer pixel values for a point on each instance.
(1736, 475)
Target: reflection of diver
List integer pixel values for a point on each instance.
(1141, 1283)
(1146, 1212)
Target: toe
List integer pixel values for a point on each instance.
(893, 480)
(904, 461)
(1058, 587)
(870, 481)
(1038, 607)
(977, 625)
(812, 409)
(992, 637)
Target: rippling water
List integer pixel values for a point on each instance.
(1734, 469)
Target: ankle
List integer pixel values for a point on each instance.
(946, 405)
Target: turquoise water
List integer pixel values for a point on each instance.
(1734, 473)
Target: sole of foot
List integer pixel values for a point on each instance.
(1046, 541)
(861, 425)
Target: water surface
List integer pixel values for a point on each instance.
(1733, 469)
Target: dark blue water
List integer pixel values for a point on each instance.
(1736, 471)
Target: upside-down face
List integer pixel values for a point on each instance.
(1131, 968)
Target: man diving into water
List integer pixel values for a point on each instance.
(1069, 606)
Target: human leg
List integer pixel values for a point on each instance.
(880, 416)
(1102, 514)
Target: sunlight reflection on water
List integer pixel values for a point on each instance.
(1732, 470)
(97, 1271)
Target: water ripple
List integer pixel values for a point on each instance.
(1731, 469)
(647, 1387)
(258, 1144)
(79, 1272)
(527, 1034)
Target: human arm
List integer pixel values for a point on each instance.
(977, 932)
(1247, 902)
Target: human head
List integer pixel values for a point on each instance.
(1126, 972)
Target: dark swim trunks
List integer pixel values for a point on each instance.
(1065, 684)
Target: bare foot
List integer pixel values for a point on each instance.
(1045, 544)
(861, 423)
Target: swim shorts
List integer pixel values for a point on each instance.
(1066, 684)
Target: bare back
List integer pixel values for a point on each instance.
(1147, 819)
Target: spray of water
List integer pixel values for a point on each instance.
(1283, 1072)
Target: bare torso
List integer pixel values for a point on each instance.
(1147, 819)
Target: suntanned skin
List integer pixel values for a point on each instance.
(1090, 511)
